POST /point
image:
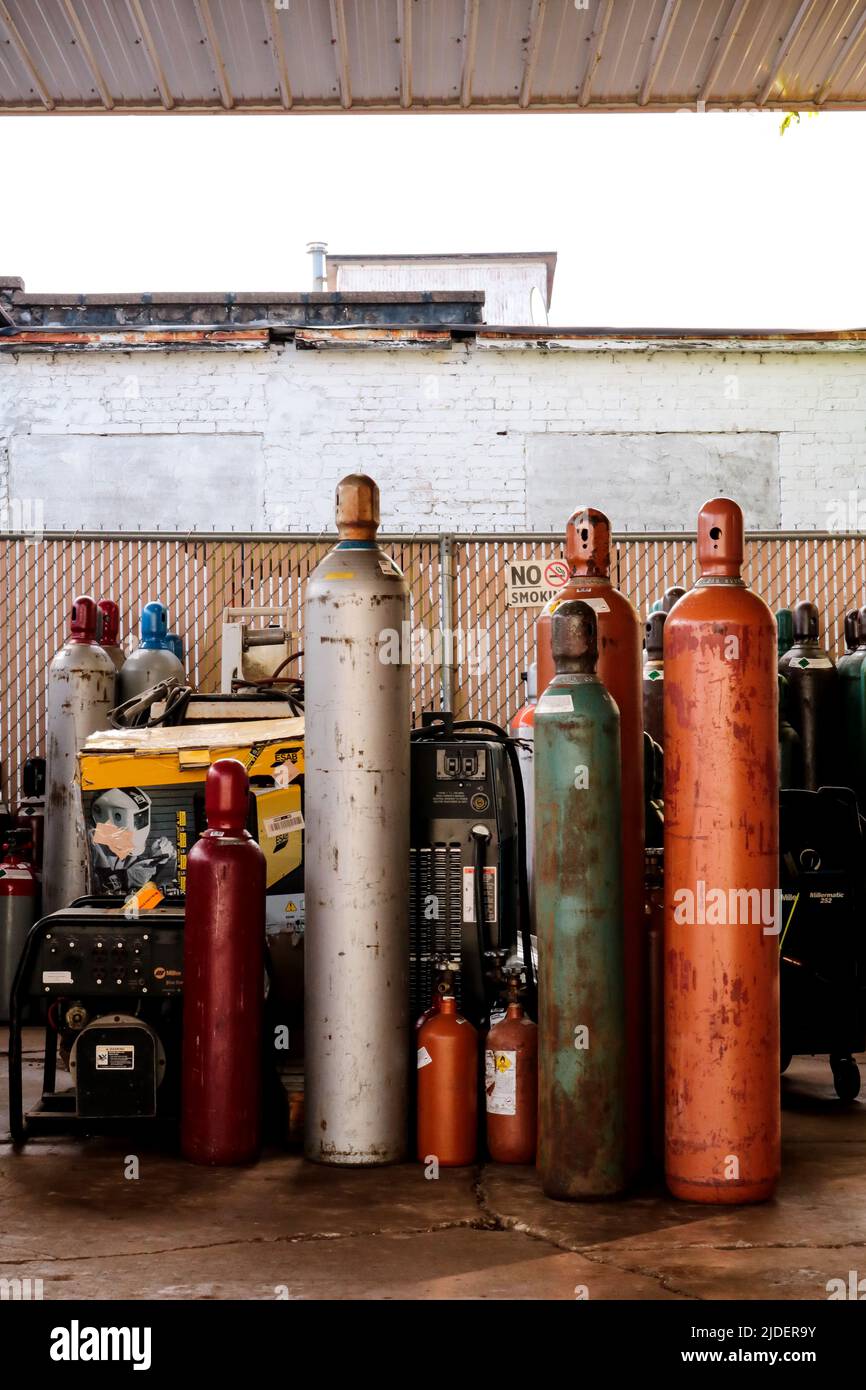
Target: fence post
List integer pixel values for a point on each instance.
(446, 621)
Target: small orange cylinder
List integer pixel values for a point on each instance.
(511, 1087)
(448, 1088)
(721, 943)
(620, 669)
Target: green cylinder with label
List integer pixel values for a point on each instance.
(579, 920)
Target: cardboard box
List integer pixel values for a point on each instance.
(143, 800)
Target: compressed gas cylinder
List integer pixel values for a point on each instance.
(511, 1084)
(852, 689)
(17, 909)
(356, 848)
(81, 687)
(814, 706)
(721, 879)
(851, 630)
(31, 810)
(521, 729)
(619, 669)
(579, 920)
(174, 642)
(790, 747)
(153, 661)
(223, 978)
(784, 635)
(109, 631)
(671, 596)
(447, 1088)
(653, 677)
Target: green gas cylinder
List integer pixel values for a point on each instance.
(784, 634)
(579, 920)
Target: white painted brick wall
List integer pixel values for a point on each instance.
(445, 434)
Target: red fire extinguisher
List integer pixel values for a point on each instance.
(511, 1082)
(223, 985)
(17, 908)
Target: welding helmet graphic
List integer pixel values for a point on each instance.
(122, 820)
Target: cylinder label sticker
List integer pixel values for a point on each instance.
(555, 704)
(815, 663)
(424, 1058)
(500, 1082)
(654, 675)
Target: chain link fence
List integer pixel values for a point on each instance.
(458, 586)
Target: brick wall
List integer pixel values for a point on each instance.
(476, 437)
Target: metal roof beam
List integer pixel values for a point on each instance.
(24, 55)
(206, 20)
(341, 51)
(598, 35)
(470, 40)
(659, 44)
(90, 58)
(138, 16)
(839, 62)
(404, 32)
(272, 24)
(726, 38)
(800, 18)
(536, 23)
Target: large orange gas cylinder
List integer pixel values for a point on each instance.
(587, 549)
(447, 1088)
(511, 1084)
(721, 941)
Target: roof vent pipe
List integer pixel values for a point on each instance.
(318, 251)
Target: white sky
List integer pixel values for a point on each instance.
(711, 220)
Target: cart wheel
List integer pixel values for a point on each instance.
(785, 1061)
(846, 1077)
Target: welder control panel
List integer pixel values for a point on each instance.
(113, 956)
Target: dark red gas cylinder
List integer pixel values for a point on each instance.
(224, 943)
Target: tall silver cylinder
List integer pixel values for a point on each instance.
(81, 685)
(356, 851)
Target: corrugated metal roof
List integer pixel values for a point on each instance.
(435, 55)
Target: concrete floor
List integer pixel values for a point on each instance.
(285, 1228)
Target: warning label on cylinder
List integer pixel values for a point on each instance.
(469, 895)
(500, 1082)
(115, 1057)
(424, 1058)
(532, 583)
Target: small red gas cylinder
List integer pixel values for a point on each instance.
(511, 1084)
(224, 963)
(17, 908)
(447, 1088)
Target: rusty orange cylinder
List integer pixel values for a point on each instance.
(721, 944)
(448, 1088)
(511, 1087)
(620, 670)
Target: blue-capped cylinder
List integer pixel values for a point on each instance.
(153, 661)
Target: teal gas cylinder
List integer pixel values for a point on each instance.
(784, 634)
(579, 920)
